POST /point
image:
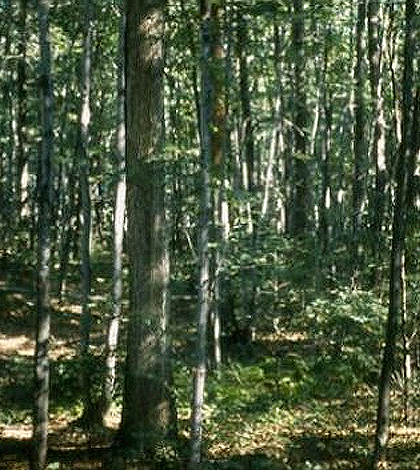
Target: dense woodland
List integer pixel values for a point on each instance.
(209, 239)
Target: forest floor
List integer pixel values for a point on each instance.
(260, 413)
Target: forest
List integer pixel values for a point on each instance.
(208, 234)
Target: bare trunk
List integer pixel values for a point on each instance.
(406, 347)
(204, 255)
(359, 148)
(40, 424)
(299, 215)
(404, 169)
(22, 180)
(119, 217)
(376, 35)
(147, 414)
(85, 215)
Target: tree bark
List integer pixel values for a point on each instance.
(40, 422)
(204, 297)
(147, 410)
(118, 231)
(299, 214)
(85, 213)
(375, 41)
(22, 177)
(404, 168)
(359, 147)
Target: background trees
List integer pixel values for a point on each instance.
(305, 113)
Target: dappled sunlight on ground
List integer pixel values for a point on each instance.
(20, 345)
(19, 432)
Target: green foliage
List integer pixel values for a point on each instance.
(349, 326)
(288, 376)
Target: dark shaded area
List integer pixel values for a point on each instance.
(326, 448)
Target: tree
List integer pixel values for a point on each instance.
(85, 211)
(21, 144)
(359, 130)
(40, 426)
(204, 297)
(375, 41)
(147, 410)
(299, 214)
(118, 232)
(404, 171)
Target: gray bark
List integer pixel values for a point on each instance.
(118, 231)
(359, 147)
(147, 415)
(404, 172)
(299, 214)
(204, 255)
(40, 422)
(85, 213)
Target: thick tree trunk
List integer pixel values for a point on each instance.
(40, 425)
(147, 410)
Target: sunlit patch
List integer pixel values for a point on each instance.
(17, 432)
(21, 345)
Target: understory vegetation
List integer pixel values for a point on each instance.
(301, 394)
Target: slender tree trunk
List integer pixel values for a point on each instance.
(85, 212)
(147, 415)
(359, 147)
(406, 343)
(249, 169)
(300, 200)
(22, 177)
(325, 163)
(277, 140)
(119, 216)
(69, 210)
(40, 424)
(7, 106)
(204, 254)
(406, 156)
(248, 133)
(376, 35)
(218, 151)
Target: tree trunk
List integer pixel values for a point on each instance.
(40, 424)
(22, 177)
(359, 148)
(85, 213)
(300, 197)
(204, 298)
(218, 150)
(69, 211)
(375, 19)
(147, 409)
(325, 163)
(406, 156)
(7, 106)
(119, 217)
